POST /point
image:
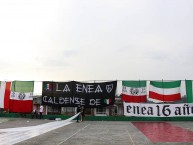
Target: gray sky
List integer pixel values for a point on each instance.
(96, 39)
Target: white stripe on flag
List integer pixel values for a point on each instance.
(21, 96)
(164, 91)
(131, 91)
(2, 94)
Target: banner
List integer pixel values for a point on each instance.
(71, 94)
(21, 97)
(165, 91)
(134, 91)
(189, 91)
(5, 89)
(158, 110)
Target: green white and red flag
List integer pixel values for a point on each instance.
(21, 97)
(165, 91)
(5, 88)
(134, 91)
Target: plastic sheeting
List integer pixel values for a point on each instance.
(15, 135)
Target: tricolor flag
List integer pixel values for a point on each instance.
(189, 91)
(107, 101)
(47, 86)
(134, 91)
(165, 91)
(21, 97)
(5, 88)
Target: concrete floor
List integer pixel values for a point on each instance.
(89, 133)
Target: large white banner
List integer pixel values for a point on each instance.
(158, 110)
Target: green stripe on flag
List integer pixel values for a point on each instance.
(166, 85)
(189, 92)
(134, 84)
(22, 86)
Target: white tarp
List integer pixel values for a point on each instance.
(15, 135)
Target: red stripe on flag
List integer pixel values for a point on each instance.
(6, 95)
(163, 97)
(20, 106)
(135, 99)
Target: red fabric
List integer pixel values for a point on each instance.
(163, 97)
(134, 99)
(20, 106)
(6, 95)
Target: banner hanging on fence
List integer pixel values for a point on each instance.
(5, 89)
(134, 91)
(165, 91)
(21, 97)
(189, 91)
(158, 110)
(71, 94)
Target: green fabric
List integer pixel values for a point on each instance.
(103, 118)
(22, 86)
(136, 84)
(166, 85)
(189, 93)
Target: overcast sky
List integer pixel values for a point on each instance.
(96, 39)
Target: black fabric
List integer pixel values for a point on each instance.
(72, 94)
(78, 109)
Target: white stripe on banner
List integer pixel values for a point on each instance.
(132, 91)
(16, 135)
(164, 91)
(21, 96)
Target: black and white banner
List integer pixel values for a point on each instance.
(71, 94)
(158, 110)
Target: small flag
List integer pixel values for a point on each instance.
(107, 101)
